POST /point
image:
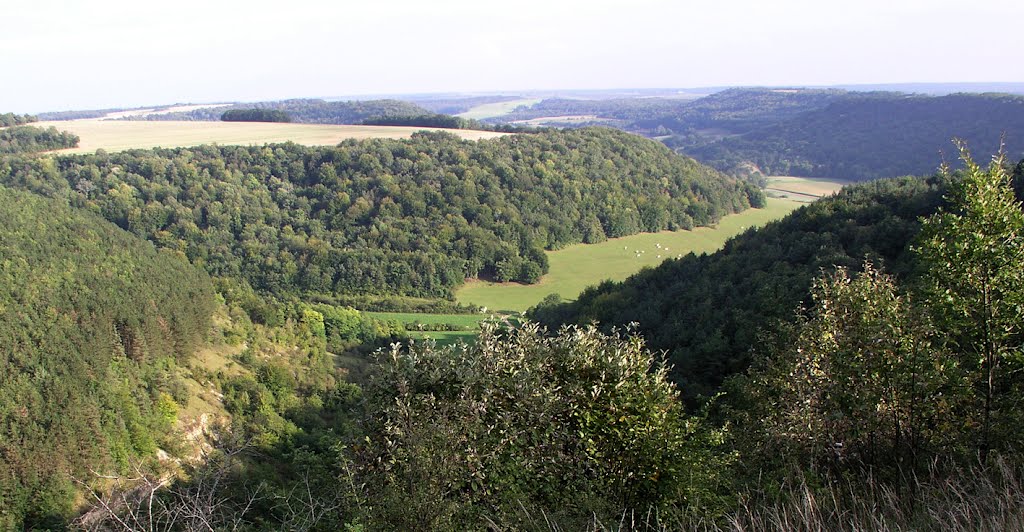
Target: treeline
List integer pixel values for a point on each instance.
(881, 401)
(93, 323)
(305, 111)
(255, 115)
(11, 119)
(444, 122)
(869, 137)
(30, 139)
(84, 114)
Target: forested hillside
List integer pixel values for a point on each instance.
(305, 111)
(30, 139)
(732, 111)
(93, 322)
(707, 311)
(869, 137)
(412, 217)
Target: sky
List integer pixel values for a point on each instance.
(78, 54)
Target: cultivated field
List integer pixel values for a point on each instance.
(491, 110)
(118, 135)
(803, 189)
(577, 267)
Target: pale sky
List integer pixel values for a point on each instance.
(78, 54)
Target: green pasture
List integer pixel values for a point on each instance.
(462, 320)
(469, 321)
(577, 267)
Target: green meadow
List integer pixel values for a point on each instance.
(469, 322)
(577, 267)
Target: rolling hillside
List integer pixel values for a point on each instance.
(93, 322)
(412, 217)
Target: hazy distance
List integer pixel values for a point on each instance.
(59, 54)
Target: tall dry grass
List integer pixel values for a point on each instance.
(962, 499)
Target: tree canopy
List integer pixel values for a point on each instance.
(409, 217)
(92, 321)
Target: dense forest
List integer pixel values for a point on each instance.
(11, 119)
(31, 139)
(255, 115)
(866, 138)
(708, 310)
(304, 111)
(408, 217)
(93, 322)
(881, 401)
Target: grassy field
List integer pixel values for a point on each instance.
(462, 320)
(491, 110)
(469, 321)
(577, 267)
(117, 135)
(803, 189)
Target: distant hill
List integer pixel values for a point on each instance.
(869, 137)
(93, 321)
(305, 111)
(733, 110)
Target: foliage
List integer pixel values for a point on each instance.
(255, 115)
(859, 380)
(707, 310)
(93, 323)
(11, 119)
(973, 252)
(29, 139)
(578, 421)
(397, 217)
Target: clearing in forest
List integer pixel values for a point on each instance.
(579, 266)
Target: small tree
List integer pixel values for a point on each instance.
(974, 253)
(854, 380)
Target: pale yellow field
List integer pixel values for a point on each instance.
(805, 189)
(117, 135)
(490, 110)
